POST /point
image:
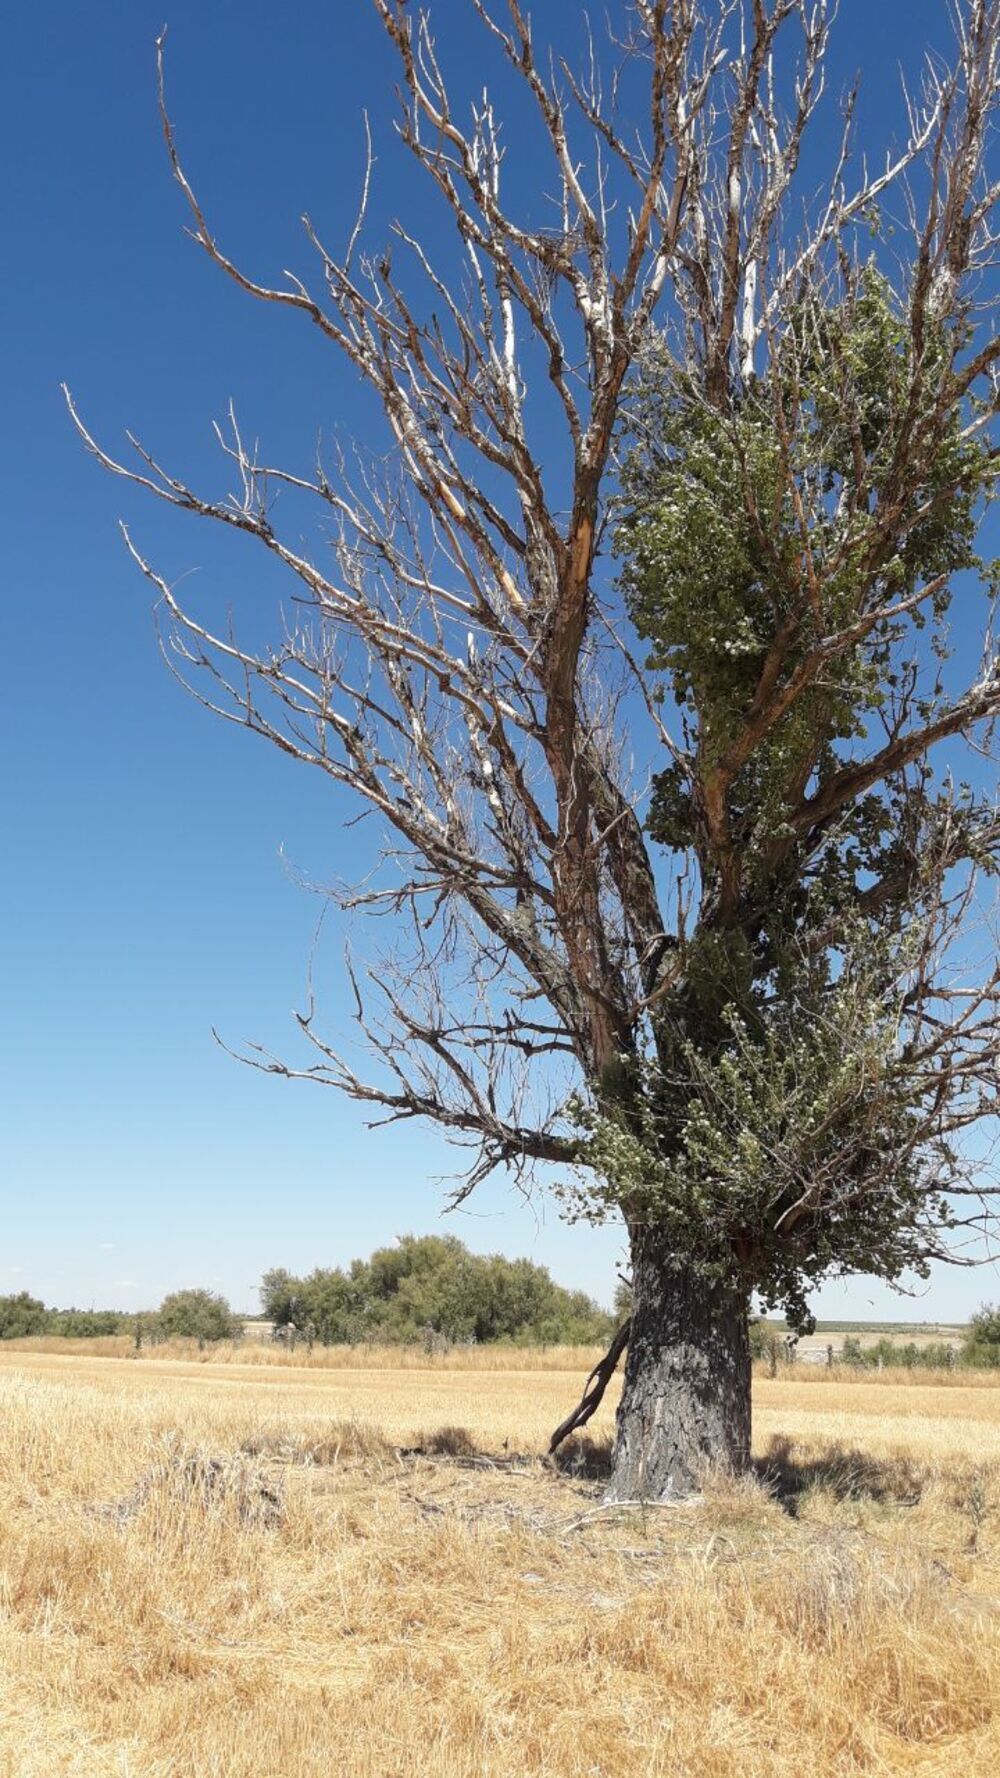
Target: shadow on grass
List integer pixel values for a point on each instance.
(583, 1459)
(587, 1459)
(846, 1474)
(786, 1475)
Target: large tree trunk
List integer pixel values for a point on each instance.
(685, 1403)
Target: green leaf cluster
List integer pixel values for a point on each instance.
(781, 1142)
(763, 523)
(775, 1126)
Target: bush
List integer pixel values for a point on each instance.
(196, 1315)
(980, 1357)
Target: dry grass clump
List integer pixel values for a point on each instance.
(342, 1438)
(232, 1484)
(234, 1581)
(445, 1441)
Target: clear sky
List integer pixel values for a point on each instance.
(149, 889)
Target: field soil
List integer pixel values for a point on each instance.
(255, 1570)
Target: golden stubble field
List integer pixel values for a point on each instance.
(225, 1569)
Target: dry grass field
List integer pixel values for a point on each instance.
(275, 1570)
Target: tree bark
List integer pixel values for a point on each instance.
(685, 1404)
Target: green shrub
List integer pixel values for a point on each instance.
(980, 1357)
(197, 1315)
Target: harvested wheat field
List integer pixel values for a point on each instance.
(278, 1571)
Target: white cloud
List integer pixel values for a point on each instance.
(107, 1247)
(125, 1284)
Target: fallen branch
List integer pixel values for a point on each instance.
(593, 1393)
(632, 1506)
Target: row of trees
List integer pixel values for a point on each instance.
(422, 1286)
(184, 1314)
(979, 1350)
(432, 1285)
(894, 1354)
(23, 1316)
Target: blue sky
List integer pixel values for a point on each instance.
(149, 891)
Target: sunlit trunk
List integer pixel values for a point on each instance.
(685, 1404)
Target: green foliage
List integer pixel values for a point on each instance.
(789, 1092)
(981, 1345)
(22, 1316)
(768, 1345)
(776, 1126)
(623, 1300)
(981, 1358)
(936, 1355)
(196, 1315)
(712, 543)
(86, 1324)
(984, 1328)
(432, 1285)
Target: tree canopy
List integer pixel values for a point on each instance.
(432, 1284)
(982, 1337)
(196, 1315)
(24, 1316)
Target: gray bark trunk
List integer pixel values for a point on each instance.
(685, 1404)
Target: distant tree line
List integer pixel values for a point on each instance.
(24, 1316)
(933, 1355)
(184, 1314)
(426, 1288)
(979, 1350)
(431, 1286)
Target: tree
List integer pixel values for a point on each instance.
(282, 1301)
(21, 1316)
(745, 1014)
(433, 1284)
(197, 1315)
(86, 1324)
(981, 1344)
